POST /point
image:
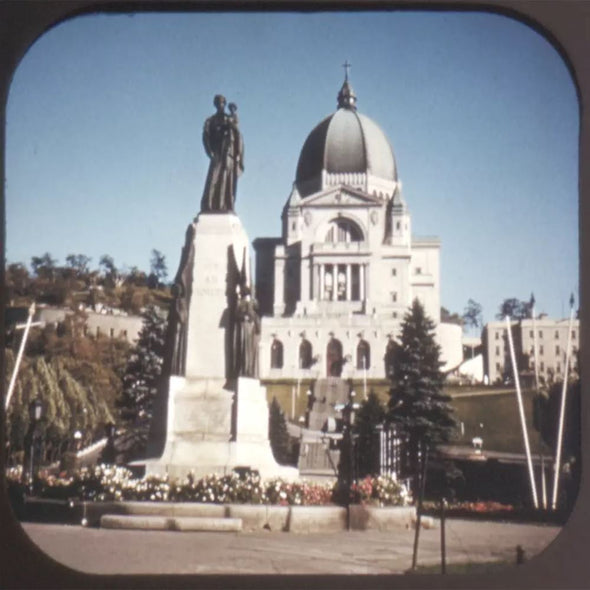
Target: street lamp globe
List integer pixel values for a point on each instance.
(36, 410)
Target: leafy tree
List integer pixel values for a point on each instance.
(450, 318)
(515, 309)
(367, 418)
(472, 315)
(136, 277)
(158, 268)
(142, 374)
(417, 402)
(109, 270)
(78, 263)
(44, 266)
(17, 280)
(68, 405)
(278, 435)
(95, 363)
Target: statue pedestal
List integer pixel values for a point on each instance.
(200, 437)
(205, 422)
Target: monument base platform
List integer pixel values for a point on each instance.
(201, 437)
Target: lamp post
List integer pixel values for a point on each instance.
(35, 415)
(77, 441)
(109, 452)
(346, 464)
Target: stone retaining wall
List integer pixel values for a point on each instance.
(294, 519)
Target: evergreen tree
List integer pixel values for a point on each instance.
(277, 433)
(417, 402)
(142, 374)
(367, 418)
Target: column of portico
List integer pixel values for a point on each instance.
(319, 281)
(315, 286)
(349, 282)
(362, 281)
(334, 282)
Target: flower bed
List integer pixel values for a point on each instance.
(490, 510)
(105, 483)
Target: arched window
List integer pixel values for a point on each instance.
(363, 355)
(343, 230)
(305, 354)
(276, 354)
(334, 358)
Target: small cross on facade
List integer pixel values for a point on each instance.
(346, 67)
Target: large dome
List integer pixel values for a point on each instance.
(344, 142)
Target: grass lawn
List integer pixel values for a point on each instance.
(495, 418)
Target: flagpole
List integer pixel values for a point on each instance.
(521, 412)
(557, 466)
(20, 355)
(543, 482)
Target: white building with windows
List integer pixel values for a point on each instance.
(334, 288)
(548, 336)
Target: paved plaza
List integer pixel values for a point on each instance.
(103, 551)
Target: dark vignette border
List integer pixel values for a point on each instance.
(565, 563)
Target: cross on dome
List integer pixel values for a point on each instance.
(346, 96)
(346, 65)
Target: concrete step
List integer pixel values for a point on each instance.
(166, 523)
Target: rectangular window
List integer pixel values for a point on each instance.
(497, 335)
(541, 349)
(557, 349)
(498, 367)
(328, 282)
(558, 368)
(394, 297)
(541, 366)
(418, 270)
(540, 333)
(341, 282)
(556, 334)
(531, 334)
(394, 272)
(573, 334)
(112, 332)
(497, 351)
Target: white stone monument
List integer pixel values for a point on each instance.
(215, 420)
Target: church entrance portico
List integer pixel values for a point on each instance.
(334, 358)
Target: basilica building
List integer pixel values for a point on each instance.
(334, 288)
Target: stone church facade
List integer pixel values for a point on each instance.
(334, 288)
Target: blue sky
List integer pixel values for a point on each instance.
(105, 112)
